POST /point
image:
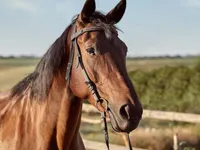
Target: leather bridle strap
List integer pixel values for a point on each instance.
(74, 44)
(89, 29)
(70, 61)
(89, 83)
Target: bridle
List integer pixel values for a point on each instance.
(75, 47)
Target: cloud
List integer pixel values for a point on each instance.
(23, 5)
(191, 3)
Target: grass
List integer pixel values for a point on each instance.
(13, 70)
(150, 64)
(9, 77)
(18, 62)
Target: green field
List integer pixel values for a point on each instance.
(13, 70)
(150, 64)
(17, 62)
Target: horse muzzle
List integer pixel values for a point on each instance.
(125, 119)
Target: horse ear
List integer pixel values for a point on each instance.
(87, 11)
(116, 14)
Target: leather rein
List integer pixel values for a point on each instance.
(75, 47)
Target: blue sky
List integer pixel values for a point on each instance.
(151, 27)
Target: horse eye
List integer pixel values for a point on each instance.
(91, 51)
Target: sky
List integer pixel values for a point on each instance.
(150, 27)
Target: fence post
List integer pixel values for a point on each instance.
(175, 141)
(123, 136)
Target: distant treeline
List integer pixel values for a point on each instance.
(128, 58)
(169, 88)
(18, 57)
(162, 57)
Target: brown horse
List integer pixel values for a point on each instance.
(43, 111)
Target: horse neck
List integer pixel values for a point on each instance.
(52, 122)
(68, 123)
(64, 116)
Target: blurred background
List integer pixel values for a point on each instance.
(163, 59)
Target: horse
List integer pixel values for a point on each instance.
(87, 62)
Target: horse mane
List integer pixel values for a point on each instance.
(54, 61)
(50, 65)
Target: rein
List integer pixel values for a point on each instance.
(74, 47)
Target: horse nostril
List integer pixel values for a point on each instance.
(124, 112)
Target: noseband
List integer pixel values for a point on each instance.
(75, 47)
